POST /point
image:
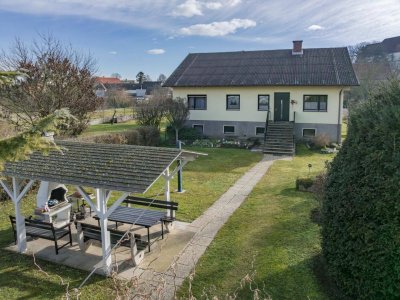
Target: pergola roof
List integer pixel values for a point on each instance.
(115, 167)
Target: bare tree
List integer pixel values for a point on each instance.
(151, 112)
(177, 114)
(117, 98)
(116, 75)
(57, 76)
(162, 78)
(147, 77)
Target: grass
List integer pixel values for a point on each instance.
(108, 113)
(344, 131)
(204, 179)
(272, 235)
(110, 128)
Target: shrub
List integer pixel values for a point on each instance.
(321, 140)
(132, 137)
(360, 224)
(185, 134)
(114, 138)
(303, 184)
(148, 136)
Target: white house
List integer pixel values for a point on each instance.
(230, 93)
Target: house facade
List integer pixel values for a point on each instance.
(230, 94)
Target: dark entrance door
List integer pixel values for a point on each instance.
(281, 106)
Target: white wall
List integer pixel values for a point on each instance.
(216, 103)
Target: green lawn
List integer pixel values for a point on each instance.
(272, 235)
(108, 113)
(204, 179)
(110, 128)
(207, 178)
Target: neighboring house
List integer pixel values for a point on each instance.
(101, 85)
(388, 48)
(135, 90)
(229, 93)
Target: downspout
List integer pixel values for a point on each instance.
(339, 133)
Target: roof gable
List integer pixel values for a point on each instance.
(322, 66)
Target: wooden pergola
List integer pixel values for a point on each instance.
(105, 168)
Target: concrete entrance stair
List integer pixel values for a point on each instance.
(279, 140)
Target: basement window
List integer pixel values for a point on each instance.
(260, 130)
(309, 132)
(199, 128)
(228, 129)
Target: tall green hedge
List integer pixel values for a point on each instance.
(361, 211)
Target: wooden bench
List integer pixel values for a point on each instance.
(44, 230)
(168, 205)
(87, 232)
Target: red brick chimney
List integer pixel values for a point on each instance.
(297, 47)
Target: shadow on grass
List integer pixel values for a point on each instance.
(20, 278)
(325, 281)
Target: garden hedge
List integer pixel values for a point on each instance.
(361, 209)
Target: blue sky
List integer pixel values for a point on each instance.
(127, 36)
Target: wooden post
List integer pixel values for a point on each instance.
(16, 197)
(105, 234)
(167, 192)
(19, 218)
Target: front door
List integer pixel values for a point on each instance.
(281, 106)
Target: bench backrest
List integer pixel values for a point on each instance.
(151, 202)
(94, 232)
(33, 223)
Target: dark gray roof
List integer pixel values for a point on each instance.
(316, 67)
(115, 167)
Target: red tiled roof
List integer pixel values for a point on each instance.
(108, 80)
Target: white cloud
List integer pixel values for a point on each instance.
(233, 2)
(218, 28)
(189, 8)
(315, 27)
(113, 52)
(155, 51)
(213, 5)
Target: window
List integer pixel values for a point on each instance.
(197, 102)
(315, 103)
(229, 129)
(263, 102)
(199, 128)
(308, 132)
(232, 102)
(260, 130)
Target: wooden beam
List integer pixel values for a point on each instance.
(116, 204)
(87, 198)
(179, 168)
(7, 189)
(25, 190)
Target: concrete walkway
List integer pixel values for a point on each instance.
(163, 285)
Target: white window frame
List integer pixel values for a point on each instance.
(202, 125)
(229, 133)
(302, 132)
(258, 134)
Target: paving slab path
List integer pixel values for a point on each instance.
(163, 285)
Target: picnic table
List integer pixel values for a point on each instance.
(138, 216)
